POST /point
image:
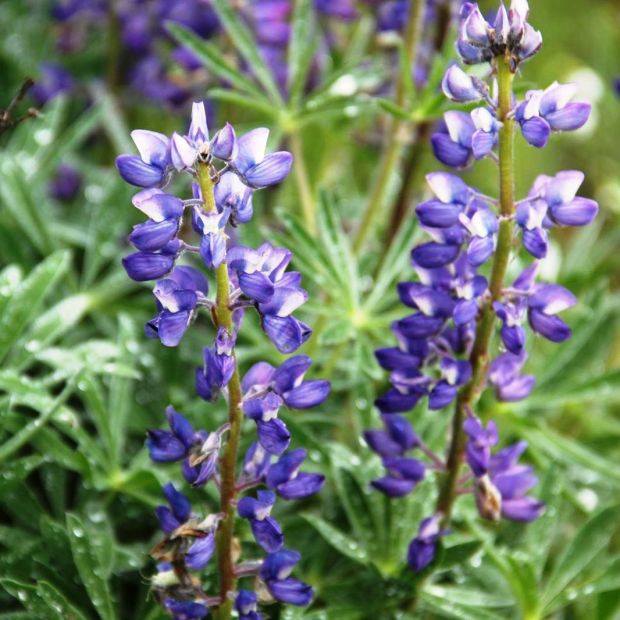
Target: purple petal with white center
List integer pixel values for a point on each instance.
(530, 42)
(458, 86)
(448, 187)
(256, 286)
(260, 375)
(157, 205)
(198, 130)
(291, 372)
(470, 54)
(133, 170)
(188, 278)
(432, 255)
(480, 250)
(441, 395)
(516, 389)
(271, 171)
(577, 212)
(143, 266)
(213, 249)
(536, 131)
(172, 327)
(429, 301)
(251, 149)
(224, 143)
(182, 154)
(563, 187)
(268, 534)
(569, 118)
(200, 552)
(284, 301)
(476, 28)
(302, 486)
(482, 143)
(555, 97)
(460, 127)
(438, 214)
(535, 242)
(273, 436)
(152, 146)
(307, 395)
(448, 152)
(551, 299)
(245, 604)
(465, 311)
(291, 591)
(286, 333)
(285, 468)
(393, 487)
(151, 236)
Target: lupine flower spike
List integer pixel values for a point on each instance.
(225, 170)
(460, 297)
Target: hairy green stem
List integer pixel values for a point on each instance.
(395, 145)
(469, 394)
(300, 170)
(228, 460)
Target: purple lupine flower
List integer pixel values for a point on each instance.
(550, 110)
(501, 483)
(256, 278)
(198, 450)
(423, 547)
(461, 87)
(245, 605)
(177, 298)
(256, 168)
(504, 375)
(275, 572)
(152, 167)
(266, 529)
(286, 479)
(218, 366)
(452, 144)
(171, 518)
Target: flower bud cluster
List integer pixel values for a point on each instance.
(452, 298)
(256, 278)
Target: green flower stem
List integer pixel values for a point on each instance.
(228, 460)
(399, 129)
(479, 357)
(300, 170)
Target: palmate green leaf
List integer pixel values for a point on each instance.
(247, 47)
(560, 448)
(28, 298)
(439, 604)
(92, 565)
(18, 470)
(25, 434)
(338, 539)
(17, 198)
(587, 544)
(211, 56)
(301, 48)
